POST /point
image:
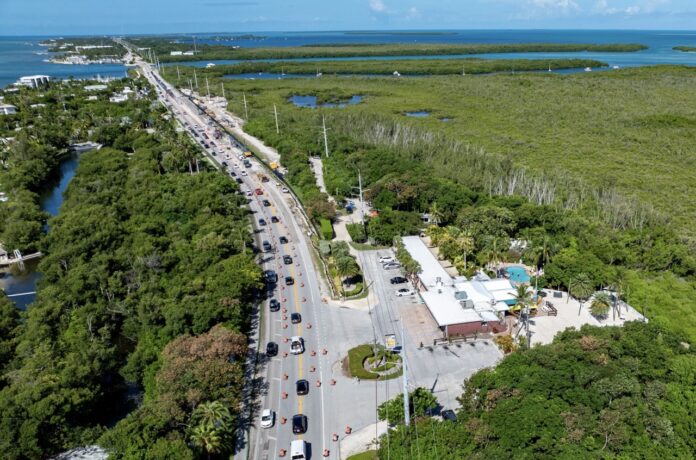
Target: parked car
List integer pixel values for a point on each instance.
(385, 259)
(283, 240)
(271, 349)
(398, 280)
(302, 387)
(271, 276)
(274, 305)
(285, 190)
(262, 222)
(299, 424)
(266, 246)
(391, 265)
(274, 219)
(266, 203)
(295, 318)
(287, 260)
(238, 180)
(449, 414)
(404, 292)
(258, 191)
(248, 193)
(267, 418)
(289, 281)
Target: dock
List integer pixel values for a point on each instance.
(18, 258)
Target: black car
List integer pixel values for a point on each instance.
(267, 204)
(271, 349)
(398, 280)
(274, 305)
(287, 260)
(262, 222)
(271, 276)
(295, 318)
(266, 246)
(224, 163)
(283, 240)
(302, 387)
(233, 174)
(238, 180)
(289, 281)
(274, 219)
(449, 415)
(299, 424)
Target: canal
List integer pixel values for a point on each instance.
(16, 281)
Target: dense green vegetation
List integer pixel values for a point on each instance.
(406, 66)
(505, 151)
(73, 45)
(162, 47)
(147, 283)
(595, 393)
(38, 138)
(686, 49)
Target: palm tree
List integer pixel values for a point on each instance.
(213, 413)
(208, 438)
(435, 214)
(600, 305)
(466, 243)
(581, 287)
(346, 267)
(523, 296)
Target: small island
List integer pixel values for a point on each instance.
(685, 49)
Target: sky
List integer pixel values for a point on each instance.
(51, 17)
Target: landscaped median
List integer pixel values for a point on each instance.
(364, 363)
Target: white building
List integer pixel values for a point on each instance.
(34, 81)
(95, 87)
(175, 53)
(459, 306)
(7, 109)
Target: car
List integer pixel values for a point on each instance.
(289, 281)
(241, 157)
(267, 203)
(295, 318)
(296, 345)
(249, 193)
(224, 163)
(267, 418)
(302, 387)
(299, 424)
(398, 280)
(283, 240)
(233, 174)
(449, 414)
(274, 219)
(287, 260)
(271, 276)
(391, 265)
(258, 191)
(285, 190)
(274, 305)
(262, 222)
(267, 247)
(238, 180)
(244, 173)
(271, 349)
(385, 259)
(404, 292)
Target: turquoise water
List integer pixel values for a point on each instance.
(518, 274)
(311, 102)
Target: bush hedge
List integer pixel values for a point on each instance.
(326, 229)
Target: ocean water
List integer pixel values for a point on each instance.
(19, 56)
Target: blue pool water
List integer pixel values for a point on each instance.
(518, 274)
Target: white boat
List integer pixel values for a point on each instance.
(209, 65)
(588, 69)
(615, 67)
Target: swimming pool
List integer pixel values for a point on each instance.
(518, 274)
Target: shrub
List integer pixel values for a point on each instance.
(357, 232)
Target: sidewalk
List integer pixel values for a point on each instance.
(361, 440)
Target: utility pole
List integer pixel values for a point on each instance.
(178, 76)
(222, 86)
(190, 86)
(195, 79)
(194, 45)
(407, 411)
(362, 203)
(207, 87)
(275, 112)
(246, 111)
(326, 141)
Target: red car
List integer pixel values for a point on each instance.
(258, 191)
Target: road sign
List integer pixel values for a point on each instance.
(390, 341)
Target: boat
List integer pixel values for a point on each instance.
(615, 67)
(588, 69)
(209, 65)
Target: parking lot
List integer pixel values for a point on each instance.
(441, 369)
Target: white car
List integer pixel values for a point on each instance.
(244, 173)
(267, 418)
(249, 193)
(404, 292)
(386, 259)
(285, 190)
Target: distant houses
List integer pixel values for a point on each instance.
(7, 109)
(33, 81)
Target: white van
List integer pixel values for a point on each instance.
(298, 450)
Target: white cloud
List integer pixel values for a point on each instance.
(563, 5)
(378, 6)
(639, 7)
(413, 13)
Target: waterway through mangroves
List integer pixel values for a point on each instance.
(16, 281)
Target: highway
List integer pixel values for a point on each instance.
(277, 391)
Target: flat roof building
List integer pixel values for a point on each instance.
(34, 81)
(7, 109)
(459, 306)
